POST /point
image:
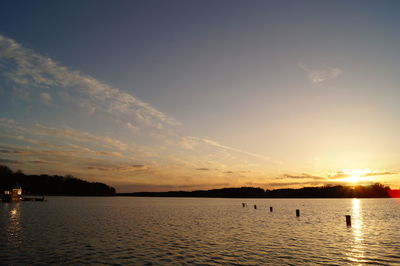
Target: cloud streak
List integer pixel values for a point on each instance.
(27, 68)
(112, 132)
(298, 184)
(9, 161)
(303, 176)
(203, 169)
(319, 76)
(39, 130)
(126, 168)
(46, 97)
(218, 145)
(363, 173)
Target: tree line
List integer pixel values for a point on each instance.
(376, 190)
(52, 184)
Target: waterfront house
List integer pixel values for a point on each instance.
(15, 194)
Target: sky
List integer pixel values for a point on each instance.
(185, 95)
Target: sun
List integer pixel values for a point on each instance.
(354, 176)
(353, 179)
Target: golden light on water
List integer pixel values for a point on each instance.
(357, 252)
(13, 213)
(357, 219)
(14, 228)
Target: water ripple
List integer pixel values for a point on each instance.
(155, 231)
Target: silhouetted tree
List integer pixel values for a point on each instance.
(52, 185)
(373, 191)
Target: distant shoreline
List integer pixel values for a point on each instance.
(210, 197)
(372, 191)
(216, 197)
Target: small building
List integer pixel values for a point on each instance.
(15, 194)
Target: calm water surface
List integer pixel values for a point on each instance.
(170, 231)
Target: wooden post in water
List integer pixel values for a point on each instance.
(244, 205)
(348, 220)
(255, 207)
(271, 209)
(297, 213)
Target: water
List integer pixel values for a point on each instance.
(165, 231)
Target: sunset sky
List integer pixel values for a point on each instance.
(184, 95)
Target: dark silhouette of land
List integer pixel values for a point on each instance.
(52, 185)
(72, 186)
(372, 191)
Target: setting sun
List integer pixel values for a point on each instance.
(356, 175)
(353, 179)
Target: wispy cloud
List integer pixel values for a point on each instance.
(381, 173)
(228, 172)
(303, 176)
(41, 130)
(133, 136)
(46, 97)
(131, 127)
(8, 161)
(317, 76)
(13, 151)
(77, 136)
(341, 174)
(338, 175)
(218, 145)
(163, 187)
(29, 69)
(125, 168)
(297, 184)
(87, 155)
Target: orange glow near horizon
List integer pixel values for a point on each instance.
(355, 176)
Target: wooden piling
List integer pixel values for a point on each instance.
(297, 213)
(271, 209)
(244, 205)
(348, 220)
(255, 207)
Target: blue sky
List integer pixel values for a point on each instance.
(161, 95)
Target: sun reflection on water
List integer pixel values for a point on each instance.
(357, 252)
(13, 213)
(14, 229)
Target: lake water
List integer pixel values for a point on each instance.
(165, 231)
